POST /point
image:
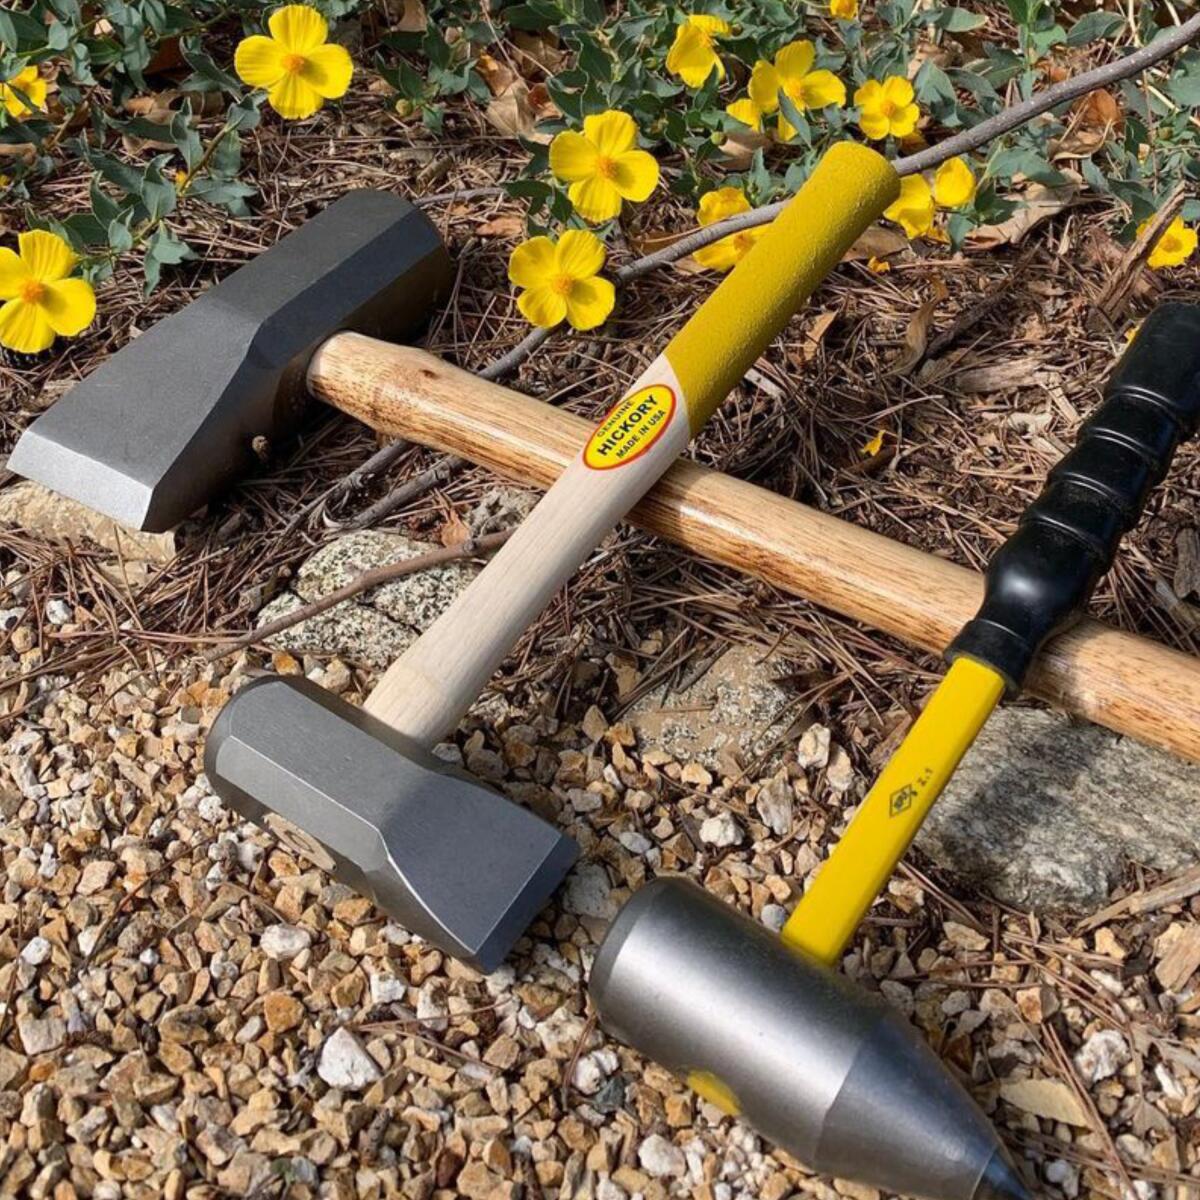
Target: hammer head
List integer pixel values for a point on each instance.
(829, 1072)
(171, 418)
(445, 856)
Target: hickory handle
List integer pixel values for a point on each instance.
(427, 690)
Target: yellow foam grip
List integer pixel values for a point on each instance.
(848, 190)
(887, 821)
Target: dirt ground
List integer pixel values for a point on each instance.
(190, 1010)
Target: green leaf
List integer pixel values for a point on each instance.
(1093, 26)
(163, 249)
(1184, 86)
(206, 75)
(120, 240)
(956, 20)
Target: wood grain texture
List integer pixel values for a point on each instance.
(1127, 683)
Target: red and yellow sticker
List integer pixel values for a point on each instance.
(630, 428)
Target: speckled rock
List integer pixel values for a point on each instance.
(373, 627)
(1044, 812)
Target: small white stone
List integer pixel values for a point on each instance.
(721, 830)
(588, 892)
(839, 772)
(592, 1070)
(813, 751)
(284, 942)
(344, 1063)
(40, 1037)
(1102, 1055)
(1063, 1175)
(387, 989)
(774, 916)
(634, 842)
(660, 1157)
(59, 612)
(36, 951)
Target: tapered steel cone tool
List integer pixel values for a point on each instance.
(764, 1026)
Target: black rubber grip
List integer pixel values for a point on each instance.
(1039, 582)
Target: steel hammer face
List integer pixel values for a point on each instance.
(829, 1072)
(171, 419)
(446, 857)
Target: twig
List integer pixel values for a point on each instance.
(408, 491)
(361, 583)
(1114, 295)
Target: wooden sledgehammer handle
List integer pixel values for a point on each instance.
(1120, 680)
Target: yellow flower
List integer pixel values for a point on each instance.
(746, 111)
(693, 55)
(914, 207)
(729, 251)
(954, 184)
(32, 89)
(1176, 245)
(39, 300)
(847, 10)
(298, 68)
(887, 107)
(561, 280)
(792, 74)
(602, 165)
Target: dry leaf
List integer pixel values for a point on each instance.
(495, 74)
(37, 510)
(739, 147)
(1004, 376)
(1039, 204)
(1187, 565)
(916, 336)
(1049, 1098)
(814, 337)
(512, 114)
(501, 227)
(540, 48)
(877, 242)
(454, 531)
(413, 18)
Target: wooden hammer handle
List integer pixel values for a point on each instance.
(1127, 683)
(424, 692)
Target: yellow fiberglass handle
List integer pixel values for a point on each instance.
(848, 190)
(888, 819)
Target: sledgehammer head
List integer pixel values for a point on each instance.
(171, 418)
(830, 1073)
(445, 856)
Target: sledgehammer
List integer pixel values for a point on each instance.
(763, 1026)
(171, 418)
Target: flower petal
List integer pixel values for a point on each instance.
(874, 124)
(870, 95)
(595, 199)
(821, 88)
(327, 70)
(795, 61)
(294, 97)
(635, 174)
(24, 328)
(69, 305)
(784, 129)
(298, 28)
(258, 61)
(542, 306)
(746, 111)
(590, 302)
(579, 254)
(763, 87)
(14, 274)
(721, 203)
(716, 26)
(898, 90)
(611, 132)
(533, 263)
(954, 184)
(720, 256)
(572, 157)
(46, 256)
(905, 121)
(692, 56)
